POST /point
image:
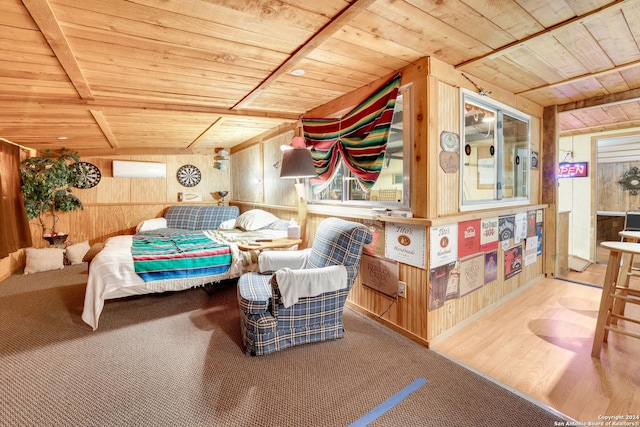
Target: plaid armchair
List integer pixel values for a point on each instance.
(271, 321)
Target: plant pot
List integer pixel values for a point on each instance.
(57, 239)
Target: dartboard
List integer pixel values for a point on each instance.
(87, 175)
(189, 175)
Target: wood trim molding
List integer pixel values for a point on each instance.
(549, 189)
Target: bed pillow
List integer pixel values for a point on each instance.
(255, 219)
(75, 253)
(45, 259)
(151, 224)
(229, 224)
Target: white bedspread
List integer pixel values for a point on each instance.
(112, 274)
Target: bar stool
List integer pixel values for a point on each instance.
(615, 290)
(627, 270)
(631, 236)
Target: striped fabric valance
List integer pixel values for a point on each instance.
(359, 139)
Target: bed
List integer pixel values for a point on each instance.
(112, 272)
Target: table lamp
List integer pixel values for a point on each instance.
(222, 194)
(297, 163)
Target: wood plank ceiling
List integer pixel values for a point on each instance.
(186, 76)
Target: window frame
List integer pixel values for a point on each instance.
(500, 109)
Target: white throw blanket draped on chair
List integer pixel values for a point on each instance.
(295, 284)
(270, 261)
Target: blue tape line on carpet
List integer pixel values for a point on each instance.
(389, 403)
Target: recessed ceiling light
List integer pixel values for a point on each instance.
(297, 72)
(62, 138)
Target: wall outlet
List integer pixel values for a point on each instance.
(402, 289)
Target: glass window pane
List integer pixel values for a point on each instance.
(480, 166)
(388, 188)
(495, 157)
(516, 156)
(334, 190)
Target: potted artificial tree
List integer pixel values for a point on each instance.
(46, 189)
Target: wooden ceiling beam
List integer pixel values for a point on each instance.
(203, 135)
(601, 128)
(601, 101)
(124, 105)
(92, 152)
(583, 77)
(104, 127)
(45, 19)
(332, 27)
(547, 32)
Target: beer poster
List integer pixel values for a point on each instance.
(443, 245)
(489, 234)
(468, 237)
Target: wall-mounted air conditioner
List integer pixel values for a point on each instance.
(127, 169)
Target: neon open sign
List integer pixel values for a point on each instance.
(573, 170)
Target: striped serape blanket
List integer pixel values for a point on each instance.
(178, 257)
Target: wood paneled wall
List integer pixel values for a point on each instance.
(277, 191)
(612, 196)
(256, 173)
(247, 172)
(116, 205)
(448, 98)
(154, 190)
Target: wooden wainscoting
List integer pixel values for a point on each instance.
(12, 263)
(97, 222)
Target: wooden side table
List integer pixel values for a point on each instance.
(272, 244)
(614, 291)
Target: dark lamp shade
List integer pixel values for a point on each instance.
(297, 163)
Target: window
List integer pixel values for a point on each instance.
(392, 186)
(495, 156)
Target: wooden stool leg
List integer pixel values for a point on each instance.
(623, 282)
(608, 287)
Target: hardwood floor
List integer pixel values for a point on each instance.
(539, 343)
(593, 275)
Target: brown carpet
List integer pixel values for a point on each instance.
(176, 359)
